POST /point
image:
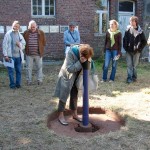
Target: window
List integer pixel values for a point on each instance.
(1, 29)
(63, 28)
(43, 7)
(126, 6)
(101, 17)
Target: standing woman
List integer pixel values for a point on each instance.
(71, 36)
(112, 50)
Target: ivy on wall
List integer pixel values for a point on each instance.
(99, 5)
(96, 23)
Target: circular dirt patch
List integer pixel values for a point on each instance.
(102, 122)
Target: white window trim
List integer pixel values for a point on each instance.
(43, 11)
(63, 28)
(101, 12)
(126, 11)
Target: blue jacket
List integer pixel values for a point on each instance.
(68, 39)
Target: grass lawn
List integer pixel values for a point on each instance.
(23, 112)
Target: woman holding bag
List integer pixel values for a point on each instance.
(112, 50)
(68, 74)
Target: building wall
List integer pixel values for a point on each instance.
(146, 23)
(80, 11)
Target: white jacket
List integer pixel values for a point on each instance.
(7, 45)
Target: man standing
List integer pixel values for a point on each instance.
(133, 42)
(35, 42)
(13, 44)
(71, 36)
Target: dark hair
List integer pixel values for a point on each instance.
(86, 50)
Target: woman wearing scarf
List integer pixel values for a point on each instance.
(133, 42)
(112, 50)
(66, 83)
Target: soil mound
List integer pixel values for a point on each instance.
(102, 122)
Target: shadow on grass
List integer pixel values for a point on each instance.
(119, 85)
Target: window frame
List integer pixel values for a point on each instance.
(131, 1)
(100, 13)
(43, 10)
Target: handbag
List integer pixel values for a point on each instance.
(92, 79)
(92, 82)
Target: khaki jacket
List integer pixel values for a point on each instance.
(67, 76)
(41, 41)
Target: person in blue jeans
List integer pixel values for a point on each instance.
(112, 50)
(13, 45)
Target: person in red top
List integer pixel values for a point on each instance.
(112, 50)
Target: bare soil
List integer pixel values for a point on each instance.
(100, 122)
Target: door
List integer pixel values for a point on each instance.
(126, 10)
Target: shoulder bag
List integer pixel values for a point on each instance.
(92, 79)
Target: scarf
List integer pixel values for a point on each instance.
(75, 50)
(135, 31)
(112, 39)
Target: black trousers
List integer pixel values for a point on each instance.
(73, 100)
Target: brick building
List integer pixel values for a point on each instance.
(53, 17)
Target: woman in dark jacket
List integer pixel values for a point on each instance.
(133, 42)
(112, 50)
